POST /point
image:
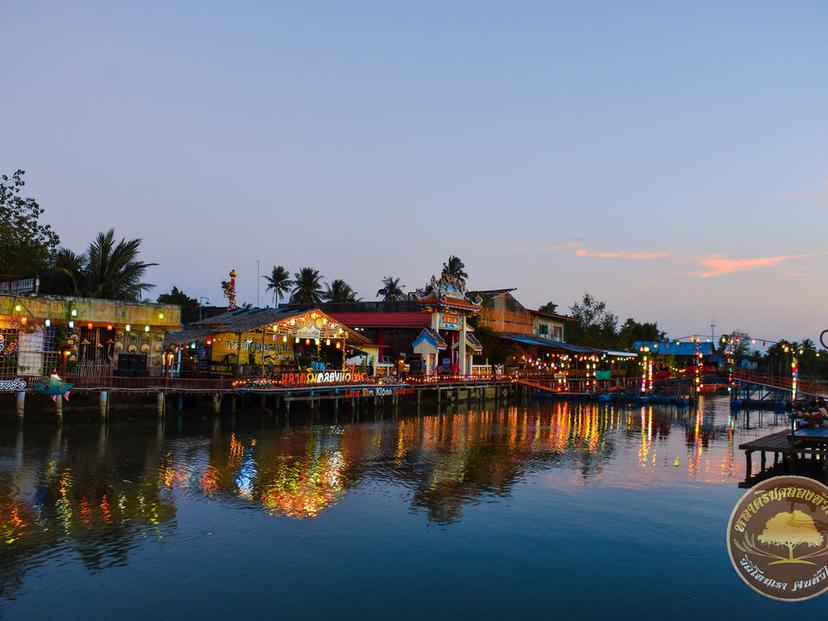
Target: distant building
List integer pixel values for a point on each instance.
(502, 312)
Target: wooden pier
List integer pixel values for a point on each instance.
(805, 449)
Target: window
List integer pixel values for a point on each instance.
(543, 329)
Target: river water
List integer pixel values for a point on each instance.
(551, 509)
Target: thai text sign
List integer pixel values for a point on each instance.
(12, 385)
(322, 377)
(449, 321)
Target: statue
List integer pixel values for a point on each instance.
(229, 287)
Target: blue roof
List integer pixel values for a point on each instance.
(537, 341)
(428, 335)
(671, 348)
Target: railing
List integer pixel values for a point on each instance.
(781, 382)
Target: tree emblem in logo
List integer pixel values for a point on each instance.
(777, 538)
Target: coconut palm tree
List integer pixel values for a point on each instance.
(339, 291)
(455, 268)
(307, 288)
(111, 269)
(279, 282)
(392, 290)
(65, 276)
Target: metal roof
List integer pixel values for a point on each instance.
(541, 342)
(668, 348)
(248, 320)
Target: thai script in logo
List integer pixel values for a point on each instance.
(777, 538)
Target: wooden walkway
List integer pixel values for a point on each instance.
(810, 448)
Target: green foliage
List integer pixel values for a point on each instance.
(339, 291)
(549, 307)
(25, 244)
(179, 298)
(455, 268)
(307, 287)
(632, 331)
(109, 269)
(392, 290)
(592, 324)
(278, 282)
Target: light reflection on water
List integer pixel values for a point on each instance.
(79, 500)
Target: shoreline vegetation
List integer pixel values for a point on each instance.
(111, 268)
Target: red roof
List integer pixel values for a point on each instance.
(433, 300)
(383, 319)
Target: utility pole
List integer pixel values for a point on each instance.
(258, 278)
(713, 333)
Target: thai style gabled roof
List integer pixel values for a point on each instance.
(430, 336)
(472, 343)
(448, 292)
(251, 319)
(433, 299)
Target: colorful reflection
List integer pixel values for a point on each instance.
(101, 490)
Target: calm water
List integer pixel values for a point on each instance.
(551, 509)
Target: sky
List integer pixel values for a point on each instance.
(670, 158)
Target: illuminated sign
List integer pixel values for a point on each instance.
(309, 332)
(12, 385)
(322, 377)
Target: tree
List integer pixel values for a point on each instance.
(392, 290)
(307, 288)
(63, 274)
(632, 331)
(278, 282)
(455, 268)
(109, 269)
(25, 244)
(790, 530)
(178, 297)
(550, 307)
(593, 325)
(339, 291)
(112, 269)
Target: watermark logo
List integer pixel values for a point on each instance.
(777, 538)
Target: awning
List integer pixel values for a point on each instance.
(537, 341)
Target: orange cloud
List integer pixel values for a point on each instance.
(816, 198)
(568, 245)
(634, 256)
(719, 264)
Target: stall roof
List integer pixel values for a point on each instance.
(541, 342)
(668, 348)
(247, 320)
(621, 354)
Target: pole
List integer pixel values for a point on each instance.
(258, 278)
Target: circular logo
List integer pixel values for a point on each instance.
(777, 538)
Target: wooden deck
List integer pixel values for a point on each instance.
(797, 451)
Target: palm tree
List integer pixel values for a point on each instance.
(455, 268)
(111, 269)
(339, 291)
(66, 274)
(279, 282)
(306, 287)
(392, 290)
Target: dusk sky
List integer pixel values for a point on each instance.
(670, 158)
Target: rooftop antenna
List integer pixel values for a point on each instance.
(713, 332)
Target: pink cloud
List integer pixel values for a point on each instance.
(634, 255)
(575, 243)
(719, 264)
(816, 198)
